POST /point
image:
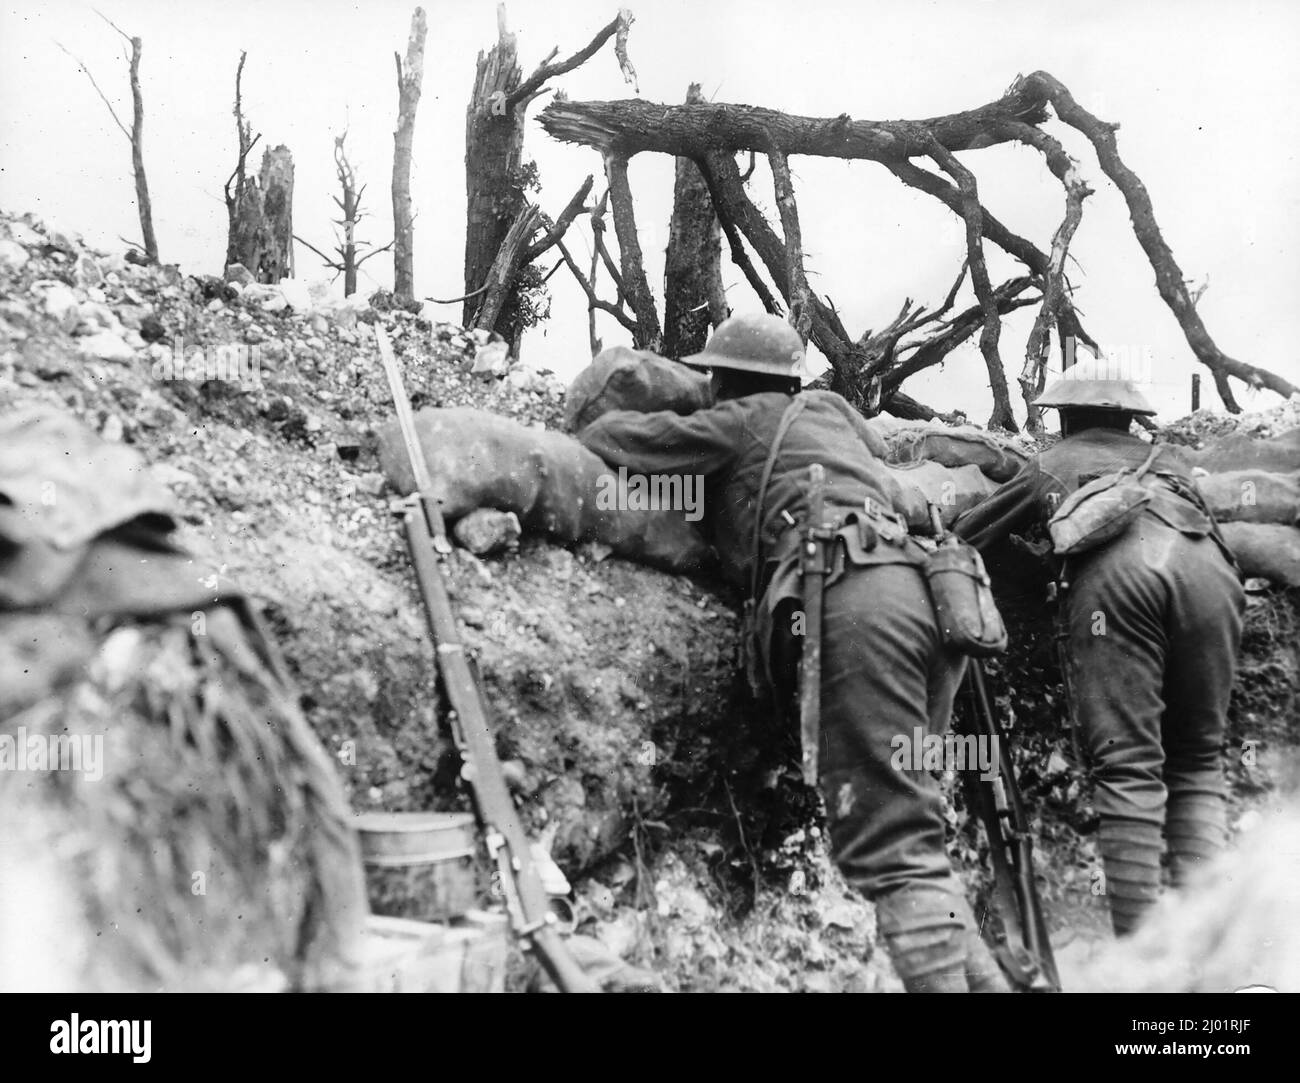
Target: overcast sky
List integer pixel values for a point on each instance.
(1206, 93)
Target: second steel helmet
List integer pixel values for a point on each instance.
(757, 343)
(1095, 383)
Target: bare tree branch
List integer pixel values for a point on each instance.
(458, 300)
(649, 334)
(545, 71)
(593, 301)
(972, 212)
(102, 97)
(1055, 297)
(949, 336)
(331, 263)
(562, 224)
(1170, 281)
(375, 252)
(800, 317)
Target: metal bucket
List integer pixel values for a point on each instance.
(420, 865)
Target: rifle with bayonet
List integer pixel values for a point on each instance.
(1025, 952)
(426, 537)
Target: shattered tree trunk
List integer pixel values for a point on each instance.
(261, 223)
(409, 79)
(137, 155)
(495, 183)
(135, 135)
(694, 299)
(350, 204)
(500, 276)
(494, 143)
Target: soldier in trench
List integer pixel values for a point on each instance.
(884, 669)
(1151, 624)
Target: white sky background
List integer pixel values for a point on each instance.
(1205, 91)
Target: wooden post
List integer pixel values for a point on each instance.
(1196, 391)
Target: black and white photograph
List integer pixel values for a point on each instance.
(548, 497)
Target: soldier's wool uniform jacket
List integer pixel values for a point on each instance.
(1028, 500)
(729, 443)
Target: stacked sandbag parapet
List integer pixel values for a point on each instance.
(1253, 487)
(553, 484)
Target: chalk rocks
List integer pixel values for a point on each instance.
(13, 256)
(487, 530)
(491, 360)
(106, 346)
(61, 303)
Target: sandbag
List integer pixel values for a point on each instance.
(1267, 550)
(621, 378)
(922, 483)
(1253, 496)
(957, 447)
(1277, 454)
(550, 481)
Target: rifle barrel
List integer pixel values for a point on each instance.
(405, 417)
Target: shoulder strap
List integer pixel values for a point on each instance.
(787, 419)
(1155, 450)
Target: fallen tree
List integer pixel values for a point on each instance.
(870, 368)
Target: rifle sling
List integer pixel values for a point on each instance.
(787, 419)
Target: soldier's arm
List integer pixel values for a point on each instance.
(664, 442)
(1011, 509)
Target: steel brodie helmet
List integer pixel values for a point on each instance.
(1094, 383)
(760, 343)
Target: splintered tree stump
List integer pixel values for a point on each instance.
(494, 144)
(261, 220)
(693, 297)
